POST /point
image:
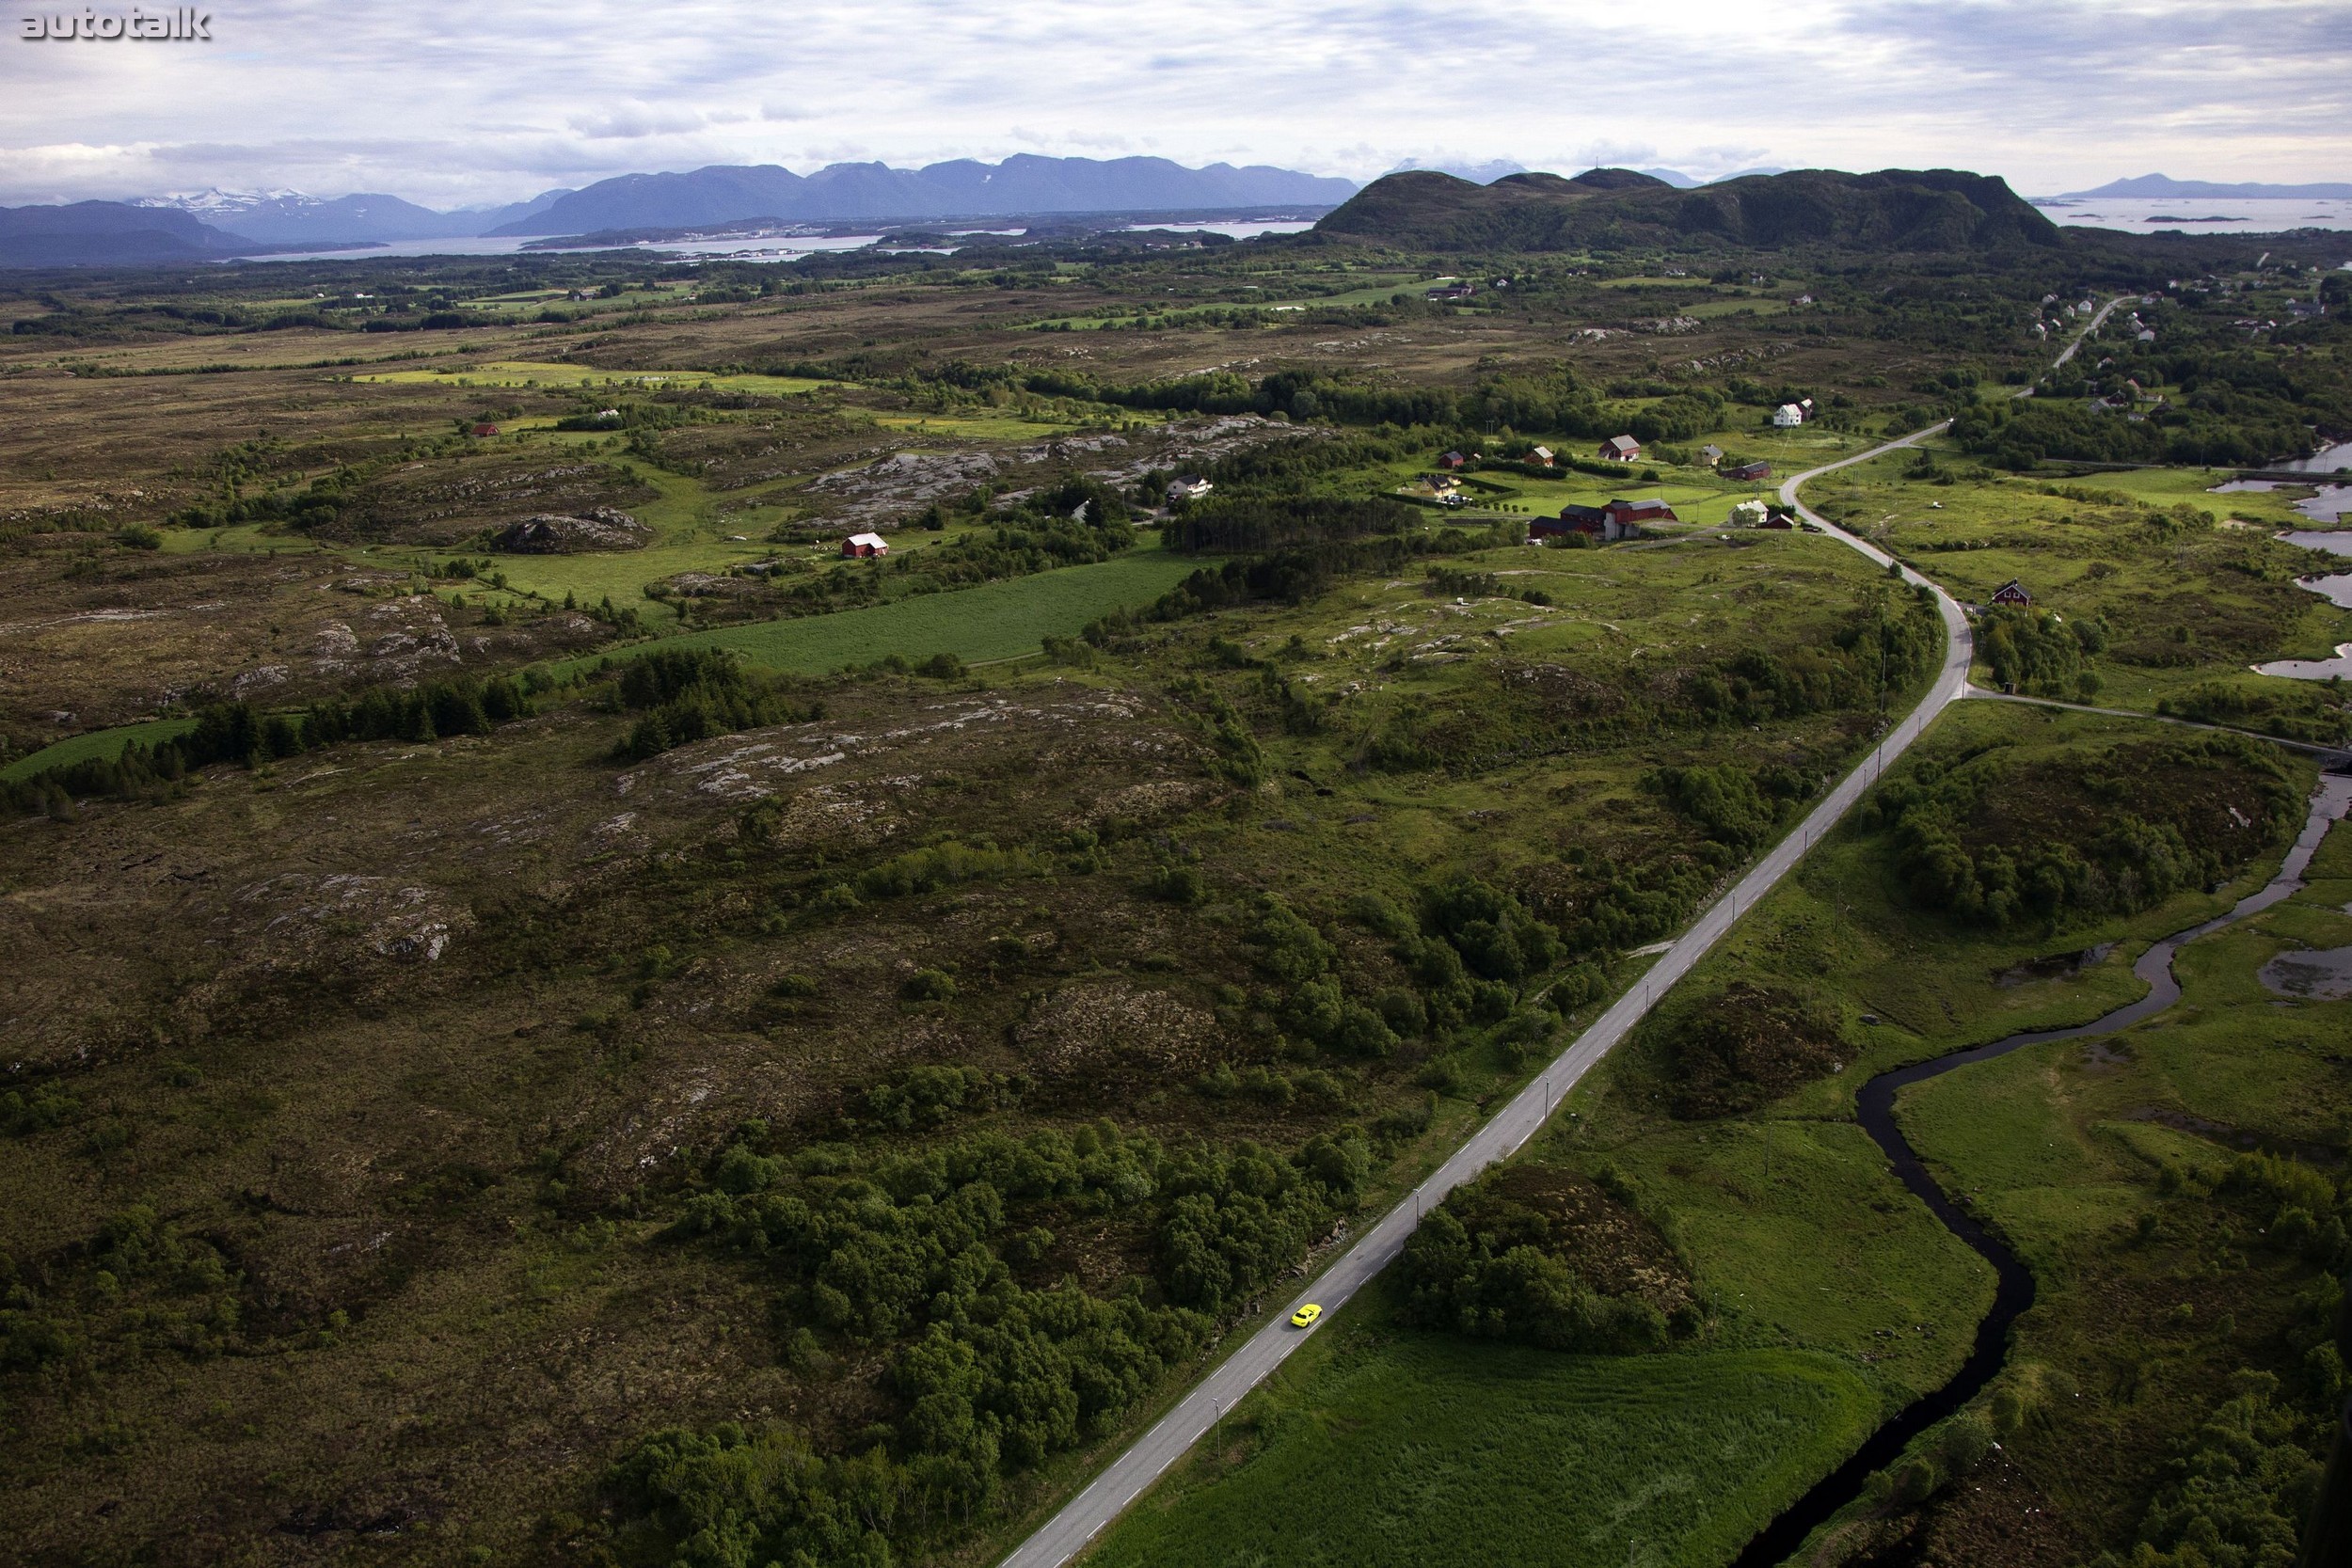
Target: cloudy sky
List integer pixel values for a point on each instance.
(473, 103)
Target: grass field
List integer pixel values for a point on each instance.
(96, 743)
(2182, 602)
(1387, 1451)
(528, 373)
(1378, 292)
(995, 619)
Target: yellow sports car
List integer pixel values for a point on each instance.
(1306, 1315)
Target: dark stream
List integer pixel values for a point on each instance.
(2013, 1290)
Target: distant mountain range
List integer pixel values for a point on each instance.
(963, 188)
(1892, 209)
(273, 216)
(2159, 187)
(217, 223)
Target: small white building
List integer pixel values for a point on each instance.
(1787, 417)
(1188, 489)
(1748, 515)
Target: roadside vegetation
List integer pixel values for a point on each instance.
(1722, 1138)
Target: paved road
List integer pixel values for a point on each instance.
(1066, 1534)
(1062, 1537)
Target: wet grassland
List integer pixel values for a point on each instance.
(2141, 1176)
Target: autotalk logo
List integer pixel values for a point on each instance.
(184, 24)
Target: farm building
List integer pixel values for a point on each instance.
(1453, 460)
(485, 428)
(1621, 449)
(1572, 519)
(1748, 472)
(1619, 520)
(2012, 592)
(1748, 515)
(858, 546)
(1629, 515)
(1711, 455)
(1540, 455)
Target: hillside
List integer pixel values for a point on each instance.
(107, 234)
(1892, 209)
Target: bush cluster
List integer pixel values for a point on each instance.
(991, 1376)
(692, 694)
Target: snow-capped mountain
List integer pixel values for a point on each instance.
(284, 216)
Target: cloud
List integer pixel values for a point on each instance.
(634, 121)
(451, 102)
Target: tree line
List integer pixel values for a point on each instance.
(240, 733)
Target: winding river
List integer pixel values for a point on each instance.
(2013, 1292)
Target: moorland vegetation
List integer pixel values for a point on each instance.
(842, 1087)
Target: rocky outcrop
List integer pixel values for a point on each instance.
(603, 528)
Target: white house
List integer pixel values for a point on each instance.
(1188, 489)
(1787, 417)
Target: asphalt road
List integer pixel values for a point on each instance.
(1062, 1537)
(1066, 1534)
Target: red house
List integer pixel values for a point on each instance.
(1451, 460)
(1748, 473)
(861, 545)
(1619, 520)
(2012, 592)
(1621, 449)
(486, 430)
(1629, 515)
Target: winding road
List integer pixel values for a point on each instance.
(1066, 1534)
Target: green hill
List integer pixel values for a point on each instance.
(1942, 210)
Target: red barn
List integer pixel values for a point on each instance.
(1629, 516)
(1621, 449)
(486, 430)
(861, 545)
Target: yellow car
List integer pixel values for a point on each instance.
(1306, 1315)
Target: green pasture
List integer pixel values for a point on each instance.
(1378, 292)
(982, 424)
(994, 621)
(527, 372)
(1381, 1449)
(94, 743)
(2196, 486)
